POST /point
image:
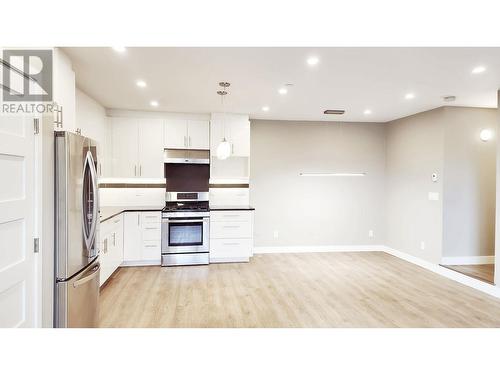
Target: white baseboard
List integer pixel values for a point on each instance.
(436, 268)
(485, 259)
(314, 249)
(230, 260)
(136, 263)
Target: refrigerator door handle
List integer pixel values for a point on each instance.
(93, 273)
(89, 239)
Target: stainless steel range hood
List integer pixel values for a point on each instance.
(180, 156)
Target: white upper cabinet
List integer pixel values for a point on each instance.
(137, 147)
(176, 133)
(198, 134)
(239, 137)
(151, 148)
(187, 134)
(235, 128)
(125, 147)
(64, 92)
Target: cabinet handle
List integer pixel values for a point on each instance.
(151, 246)
(189, 144)
(140, 170)
(151, 217)
(138, 220)
(105, 245)
(151, 228)
(231, 226)
(236, 215)
(135, 170)
(185, 141)
(114, 239)
(232, 148)
(231, 243)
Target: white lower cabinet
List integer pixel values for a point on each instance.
(231, 236)
(142, 238)
(111, 239)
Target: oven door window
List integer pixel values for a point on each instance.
(185, 234)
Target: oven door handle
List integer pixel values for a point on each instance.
(180, 220)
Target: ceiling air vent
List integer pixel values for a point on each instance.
(334, 112)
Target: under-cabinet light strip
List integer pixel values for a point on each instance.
(332, 174)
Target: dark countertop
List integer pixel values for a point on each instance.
(107, 212)
(231, 208)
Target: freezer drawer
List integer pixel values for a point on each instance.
(77, 299)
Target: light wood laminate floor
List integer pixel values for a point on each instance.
(483, 272)
(366, 289)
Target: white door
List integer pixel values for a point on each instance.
(17, 259)
(198, 135)
(176, 134)
(240, 138)
(151, 148)
(125, 147)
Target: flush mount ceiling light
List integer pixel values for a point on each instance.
(282, 91)
(356, 174)
(313, 60)
(265, 108)
(224, 147)
(409, 96)
(119, 49)
(154, 103)
(367, 112)
(141, 83)
(479, 69)
(486, 135)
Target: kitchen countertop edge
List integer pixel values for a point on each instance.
(112, 211)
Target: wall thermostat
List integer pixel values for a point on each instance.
(434, 177)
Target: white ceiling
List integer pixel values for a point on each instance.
(354, 79)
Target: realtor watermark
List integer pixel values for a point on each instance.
(27, 82)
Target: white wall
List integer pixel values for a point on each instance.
(469, 185)
(461, 223)
(415, 151)
(317, 211)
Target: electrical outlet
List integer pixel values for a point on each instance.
(276, 234)
(422, 245)
(370, 233)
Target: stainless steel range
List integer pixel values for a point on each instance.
(185, 229)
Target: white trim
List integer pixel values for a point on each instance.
(455, 276)
(315, 249)
(229, 260)
(135, 263)
(484, 259)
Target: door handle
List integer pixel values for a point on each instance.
(83, 280)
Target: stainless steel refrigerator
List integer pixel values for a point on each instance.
(76, 231)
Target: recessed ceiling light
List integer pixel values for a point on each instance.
(478, 69)
(141, 83)
(265, 108)
(410, 95)
(153, 103)
(282, 91)
(119, 49)
(313, 60)
(367, 112)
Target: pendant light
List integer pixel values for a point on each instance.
(224, 148)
